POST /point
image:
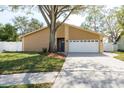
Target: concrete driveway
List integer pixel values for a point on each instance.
(90, 70)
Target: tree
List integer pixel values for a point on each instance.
(103, 20)
(24, 24)
(52, 14)
(21, 24)
(94, 19)
(8, 33)
(34, 24)
(112, 27)
(120, 17)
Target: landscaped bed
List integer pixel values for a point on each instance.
(43, 85)
(120, 55)
(11, 63)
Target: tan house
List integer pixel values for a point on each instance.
(69, 38)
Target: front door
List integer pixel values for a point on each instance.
(60, 44)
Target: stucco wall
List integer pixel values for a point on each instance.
(121, 43)
(78, 34)
(40, 39)
(36, 41)
(60, 32)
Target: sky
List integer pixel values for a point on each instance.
(7, 17)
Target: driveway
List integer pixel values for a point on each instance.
(90, 70)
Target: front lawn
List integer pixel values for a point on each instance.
(42, 85)
(28, 62)
(120, 55)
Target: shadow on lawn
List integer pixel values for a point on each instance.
(30, 64)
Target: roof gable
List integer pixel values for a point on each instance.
(77, 27)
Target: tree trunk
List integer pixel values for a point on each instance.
(52, 43)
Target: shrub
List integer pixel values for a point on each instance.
(44, 50)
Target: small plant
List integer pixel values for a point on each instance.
(44, 50)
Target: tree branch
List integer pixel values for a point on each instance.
(63, 11)
(44, 15)
(62, 8)
(65, 19)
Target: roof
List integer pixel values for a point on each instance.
(77, 27)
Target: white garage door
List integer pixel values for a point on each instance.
(83, 45)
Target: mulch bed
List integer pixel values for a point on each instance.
(56, 55)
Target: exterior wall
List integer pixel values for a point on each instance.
(121, 43)
(36, 41)
(40, 39)
(66, 38)
(101, 49)
(78, 34)
(60, 32)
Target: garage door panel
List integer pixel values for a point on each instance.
(87, 46)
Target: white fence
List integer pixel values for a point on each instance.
(110, 47)
(10, 46)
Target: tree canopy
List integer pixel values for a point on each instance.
(24, 24)
(120, 17)
(103, 20)
(8, 33)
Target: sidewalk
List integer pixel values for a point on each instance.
(28, 78)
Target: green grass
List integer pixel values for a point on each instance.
(120, 55)
(28, 62)
(42, 85)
